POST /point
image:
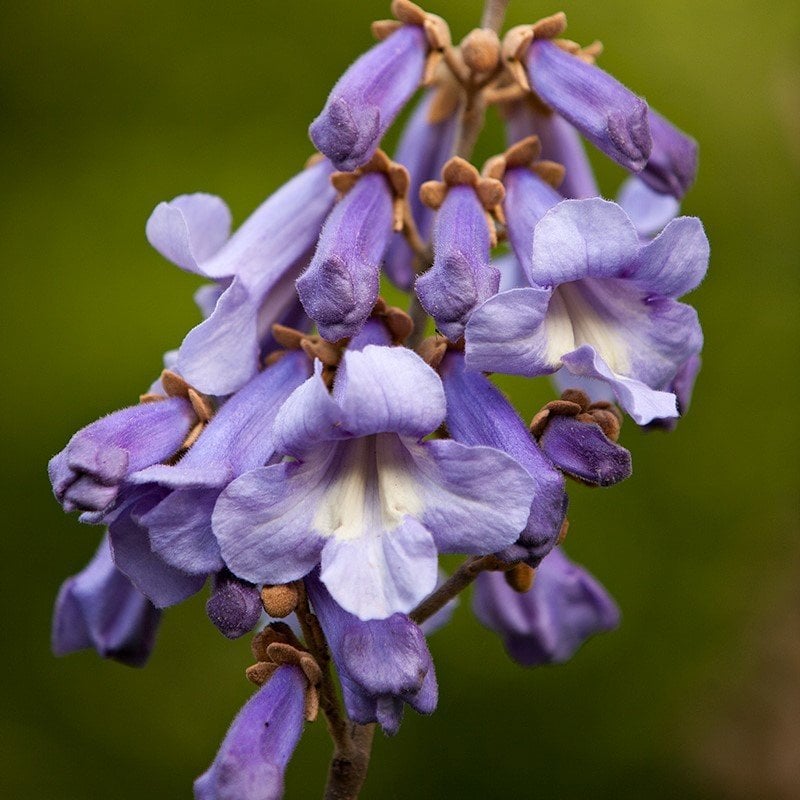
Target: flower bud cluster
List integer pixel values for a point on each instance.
(310, 454)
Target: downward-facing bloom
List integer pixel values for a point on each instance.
(382, 663)
(365, 497)
(548, 623)
(99, 608)
(255, 271)
(253, 756)
(601, 303)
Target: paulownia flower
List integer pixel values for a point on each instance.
(364, 495)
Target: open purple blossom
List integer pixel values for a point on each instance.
(87, 474)
(259, 263)
(682, 386)
(340, 286)
(382, 663)
(238, 438)
(648, 210)
(367, 98)
(424, 148)
(610, 116)
(365, 496)
(601, 303)
(548, 623)
(252, 759)
(479, 414)
(99, 608)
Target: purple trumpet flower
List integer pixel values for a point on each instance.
(238, 438)
(382, 663)
(87, 474)
(479, 414)
(252, 759)
(99, 608)
(365, 496)
(367, 98)
(257, 266)
(462, 276)
(682, 386)
(601, 303)
(340, 286)
(424, 148)
(548, 623)
(610, 116)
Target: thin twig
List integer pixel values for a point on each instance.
(348, 767)
(494, 12)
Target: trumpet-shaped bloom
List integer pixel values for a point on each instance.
(99, 608)
(257, 266)
(366, 99)
(340, 286)
(252, 759)
(548, 623)
(364, 496)
(601, 303)
(382, 663)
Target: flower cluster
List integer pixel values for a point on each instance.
(310, 453)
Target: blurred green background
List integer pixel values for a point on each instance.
(108, 108)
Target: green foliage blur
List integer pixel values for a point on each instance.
(108, 108)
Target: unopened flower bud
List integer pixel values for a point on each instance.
(279, 601)
(481, 50)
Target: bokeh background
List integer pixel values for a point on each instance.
(108, 108)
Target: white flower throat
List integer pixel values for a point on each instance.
(372, 485)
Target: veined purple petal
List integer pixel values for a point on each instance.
(672, 166)
(649, 211)
(189, 230)
(340, 286)
(527, 200)
(548, 623)
(512, 276)
(582, 450)
(253, 756)
(600, 107)
(475, 499)
(234, 606)
(100, 608)
(366, 99)
(479, 414)
(86, 475)
(560, 142)
(423, 149)
(265, 257)
(382, 664)
(462, 276)
(130, 547)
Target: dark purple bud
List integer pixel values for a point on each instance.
(252, 759)
(99, 608)
(382, 663)
(340, 286)
(424, 148)
(548, 623)
(234, 606)
(672, 166)
(479, 414)
(462, 276)
(582, 450)
(368, 97)
(87, 473)
(600, 107)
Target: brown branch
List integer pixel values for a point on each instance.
(494, 12)
(348, 767)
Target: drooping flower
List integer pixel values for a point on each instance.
(462, 275)
(87, 474)
(479, 414)
(382, 663)
(340, 286)
(365, 496)
(367, 98)
(252, 759)
(601, 303)
(548, 623)
(99, 608)
(257, 266)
